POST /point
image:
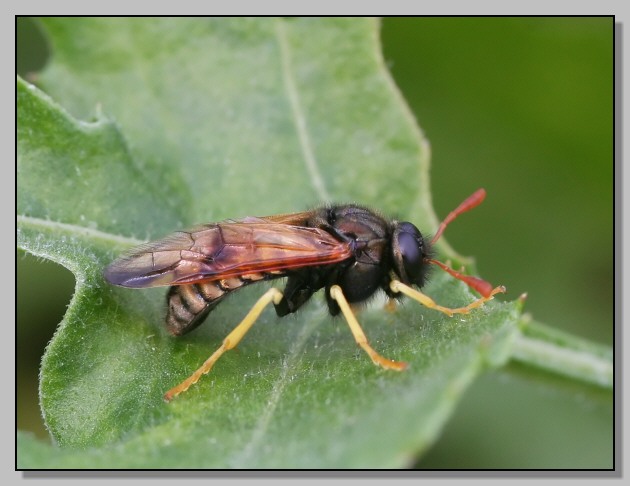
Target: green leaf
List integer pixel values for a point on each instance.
(197, 120)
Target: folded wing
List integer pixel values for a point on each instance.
(223, 250)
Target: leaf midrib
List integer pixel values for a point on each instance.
(299, 119)
(259, 431)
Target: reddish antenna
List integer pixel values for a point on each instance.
(469, 203)
(478, 284)
(481, 286)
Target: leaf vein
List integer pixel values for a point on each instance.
(78, 230)
(260, 431)
(298, 114)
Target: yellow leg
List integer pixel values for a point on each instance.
(427, 301)
(232, 339)
(337, 294)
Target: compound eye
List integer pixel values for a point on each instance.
(410, 245)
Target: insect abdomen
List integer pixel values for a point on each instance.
(190, 304)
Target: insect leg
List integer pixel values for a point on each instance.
(232, 339)
(427, 301)
(296, 293)
(337, 294)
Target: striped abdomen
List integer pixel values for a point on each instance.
(189, 304)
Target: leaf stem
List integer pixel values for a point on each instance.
(563, 354)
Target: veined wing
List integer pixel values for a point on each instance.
(227, 249)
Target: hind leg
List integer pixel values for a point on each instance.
(231, 340)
